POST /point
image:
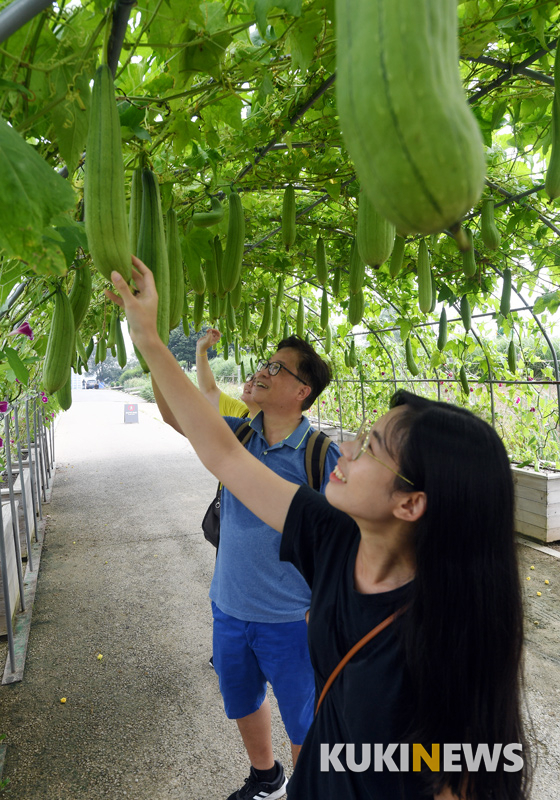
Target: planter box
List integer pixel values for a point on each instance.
(11, 566)
(5, 493)
(537, 503)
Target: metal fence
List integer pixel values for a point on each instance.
(27, 455)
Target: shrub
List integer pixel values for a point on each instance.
(132, 372)
(223, 369)
(147, 393)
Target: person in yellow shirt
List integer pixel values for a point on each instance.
(227, 406)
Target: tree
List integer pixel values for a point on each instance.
(109, 370)
(184, 348)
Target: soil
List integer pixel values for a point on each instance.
(124, 575)
(4, 484)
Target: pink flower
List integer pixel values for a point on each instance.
(375, 411)
(532, 408)
(25, 329)
(45, 399)
(1, 442)
(499, 384)
(3, 406)
(530, 379)
(383, 373)
(517, 401)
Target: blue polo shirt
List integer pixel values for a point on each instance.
(250, 582)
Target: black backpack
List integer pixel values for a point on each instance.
(315, 454)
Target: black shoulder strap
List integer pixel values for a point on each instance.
(315, 455)
(244, 432)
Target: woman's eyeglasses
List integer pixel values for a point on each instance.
(274, 368)
(360, 445)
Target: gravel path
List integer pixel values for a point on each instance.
(124, 574)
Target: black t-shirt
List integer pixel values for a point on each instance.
(370, 700)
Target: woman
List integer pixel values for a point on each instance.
(421, 525)
(227, 406)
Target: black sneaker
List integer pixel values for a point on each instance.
(254, 789)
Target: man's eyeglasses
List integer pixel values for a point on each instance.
(360, 445)
(274, 368)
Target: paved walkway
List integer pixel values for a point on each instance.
(124, 574)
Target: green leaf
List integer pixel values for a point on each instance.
(266, 88)
(31, 193)
(303, 41)
(332, 188)
(18, 87)
(40, 345)
(195, 244)
(539, 21)
(262, 7)
(72, 235)
(71, 117)
(330, 9)
(204, 54)
(17, 365)
(257, 40)
(548, 300)
(183, 133)
(436, 359)
(485, 126)
(214, 15)
(159, 85)
(130, 115)
(168, 23)
(137, 130)
(228, 111)
(498, 112)
(405, 328)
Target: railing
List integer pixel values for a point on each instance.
(28, 458)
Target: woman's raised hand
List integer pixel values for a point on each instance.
(208, 340)
(140, 306)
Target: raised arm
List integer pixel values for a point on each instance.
(166, 414)
(266, 494)
(206, 381)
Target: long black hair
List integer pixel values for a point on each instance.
(463, 631)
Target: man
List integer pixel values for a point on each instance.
(258, 602)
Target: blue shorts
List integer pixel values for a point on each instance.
(248, 654)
